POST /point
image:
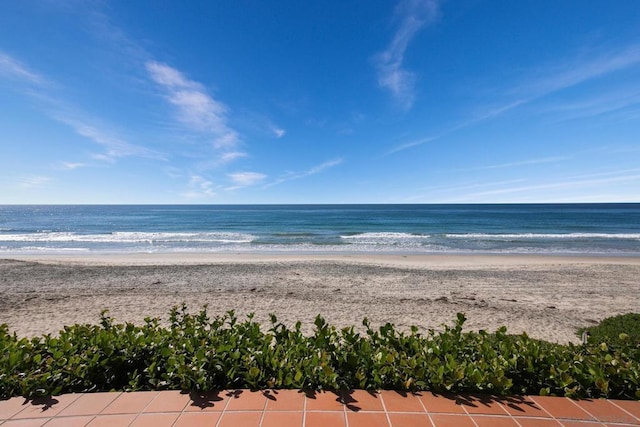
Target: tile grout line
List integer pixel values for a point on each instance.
(264, 408)
(562, 420)
(550, 415)
(224, 410)
(181, 412)
(497, 399)
(426, 411)
(53, 418)
(30, 404)
(19, 412)
(588, 413)
(146, 406)
(384, 407)
(108, 404)
(473, 420)
(553, 417)
(509, 415)
(304, 411)
(469, 415)
(344, 409)
(620, 407)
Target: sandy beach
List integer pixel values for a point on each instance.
(549, 297)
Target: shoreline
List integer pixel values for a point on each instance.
(194, 258)
(549, 297)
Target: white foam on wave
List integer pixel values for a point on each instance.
(385, 235)
(42, 249)
(386, 239)
(581, 236)
(131, 237)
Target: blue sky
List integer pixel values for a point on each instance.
(411, 101)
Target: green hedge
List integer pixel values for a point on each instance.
(615, 330)
(196, 352)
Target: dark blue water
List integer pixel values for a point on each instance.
(612, 229)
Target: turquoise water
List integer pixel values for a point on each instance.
(611, 229)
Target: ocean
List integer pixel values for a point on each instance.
(572, 229)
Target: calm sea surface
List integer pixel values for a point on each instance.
(610, 229)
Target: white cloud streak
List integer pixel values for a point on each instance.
(568, 183)
(34, 181)
(60, 111)
(430, 191)
(566, 75)
(278, 132)
(115, 147)
(12, 68)
(593, 106)
(312, 171)
(195, 107)
(199, 188)
(544, 160)
(578, 71)
(392, 76)
(231, 156)
(245, 179)
(545, 82)
(71, 165)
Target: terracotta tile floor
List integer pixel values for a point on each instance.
(286, 408)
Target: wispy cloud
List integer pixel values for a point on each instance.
(278, 132)
(563, 75)
(594, 105)
(260, 123)
(230, 156)
(54, 106)
(245, 179)
(199, 188)
(576, 71)
(198, 110)
(477, 118)
(543, 160)
(414, 143)
(34, 181)
(567, 183)
(115, 147)
(14, 69)
(413, 15)
(71, 165)
(323, 166)
(544, 81)
(432, 193)
(216, 160)
(312, 171)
